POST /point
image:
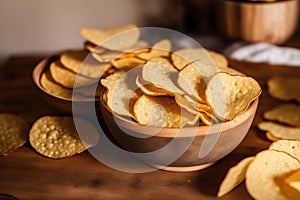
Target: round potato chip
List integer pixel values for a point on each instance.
(13, 133)
(116, 38)
(288, 114)
(57, 137)
(291, 147)
(234, 176)
(67, 78)
(266, 174)
(162, 111)
(122, 91)
(125, 62)
(80, 62)
(280, 131)
(162, 76)
(284, 88)
(230, 95)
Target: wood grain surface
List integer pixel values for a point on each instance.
(27, 175)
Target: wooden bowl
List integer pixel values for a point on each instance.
(272, 22)
(58, 104)
(217, 140)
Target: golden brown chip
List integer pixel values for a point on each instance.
(159, 49)
(234, 176)
(162, 111)
(284, 88)
(266, 174)
(116, 38)
(125, 62)
(122, 91)
(287, 114)
(230, 95)
(161, 76)
(67, 78)
(291, 147)
(13, 133)
(218, 59)
(280, 131)
(80, 62)
(271, 137)
(93, 48)
(57, 137)
(191, 81)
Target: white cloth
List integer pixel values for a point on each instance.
(263, 53)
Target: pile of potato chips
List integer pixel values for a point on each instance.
(159, 86)
(51, 136)
(283, 121)
(271, 174)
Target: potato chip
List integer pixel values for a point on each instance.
(280, 131)
(271, 137)
(150, 89)
(230, 95)
(161, 61)
(162, 111)
(57, 137)
(191, 81)
(294, 180)
(288, 114)
(159, 49)
(117, 38)
(107, 57)
(234, 176)
(80, 62)
(122, 91)
(13, 133)
(291, 147)
(67, 78)
(266, 174)
(218, 59)
(161, 76)
(127, 62)
(93, 48)
(203, 111)
(284, 88)
(139, 47)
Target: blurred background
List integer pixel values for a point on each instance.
(43, 26)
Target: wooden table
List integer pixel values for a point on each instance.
(27, 175)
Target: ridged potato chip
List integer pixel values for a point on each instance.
(291, 147)
(116, 38)
(67, 78)
(265, 177)
(287, 113)
(280, 131)
(14, 132)
(57, 137)
(234, 176)
(162, 111)
(230, 95)
(284, 88)
(161, 76)
(82, 63)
